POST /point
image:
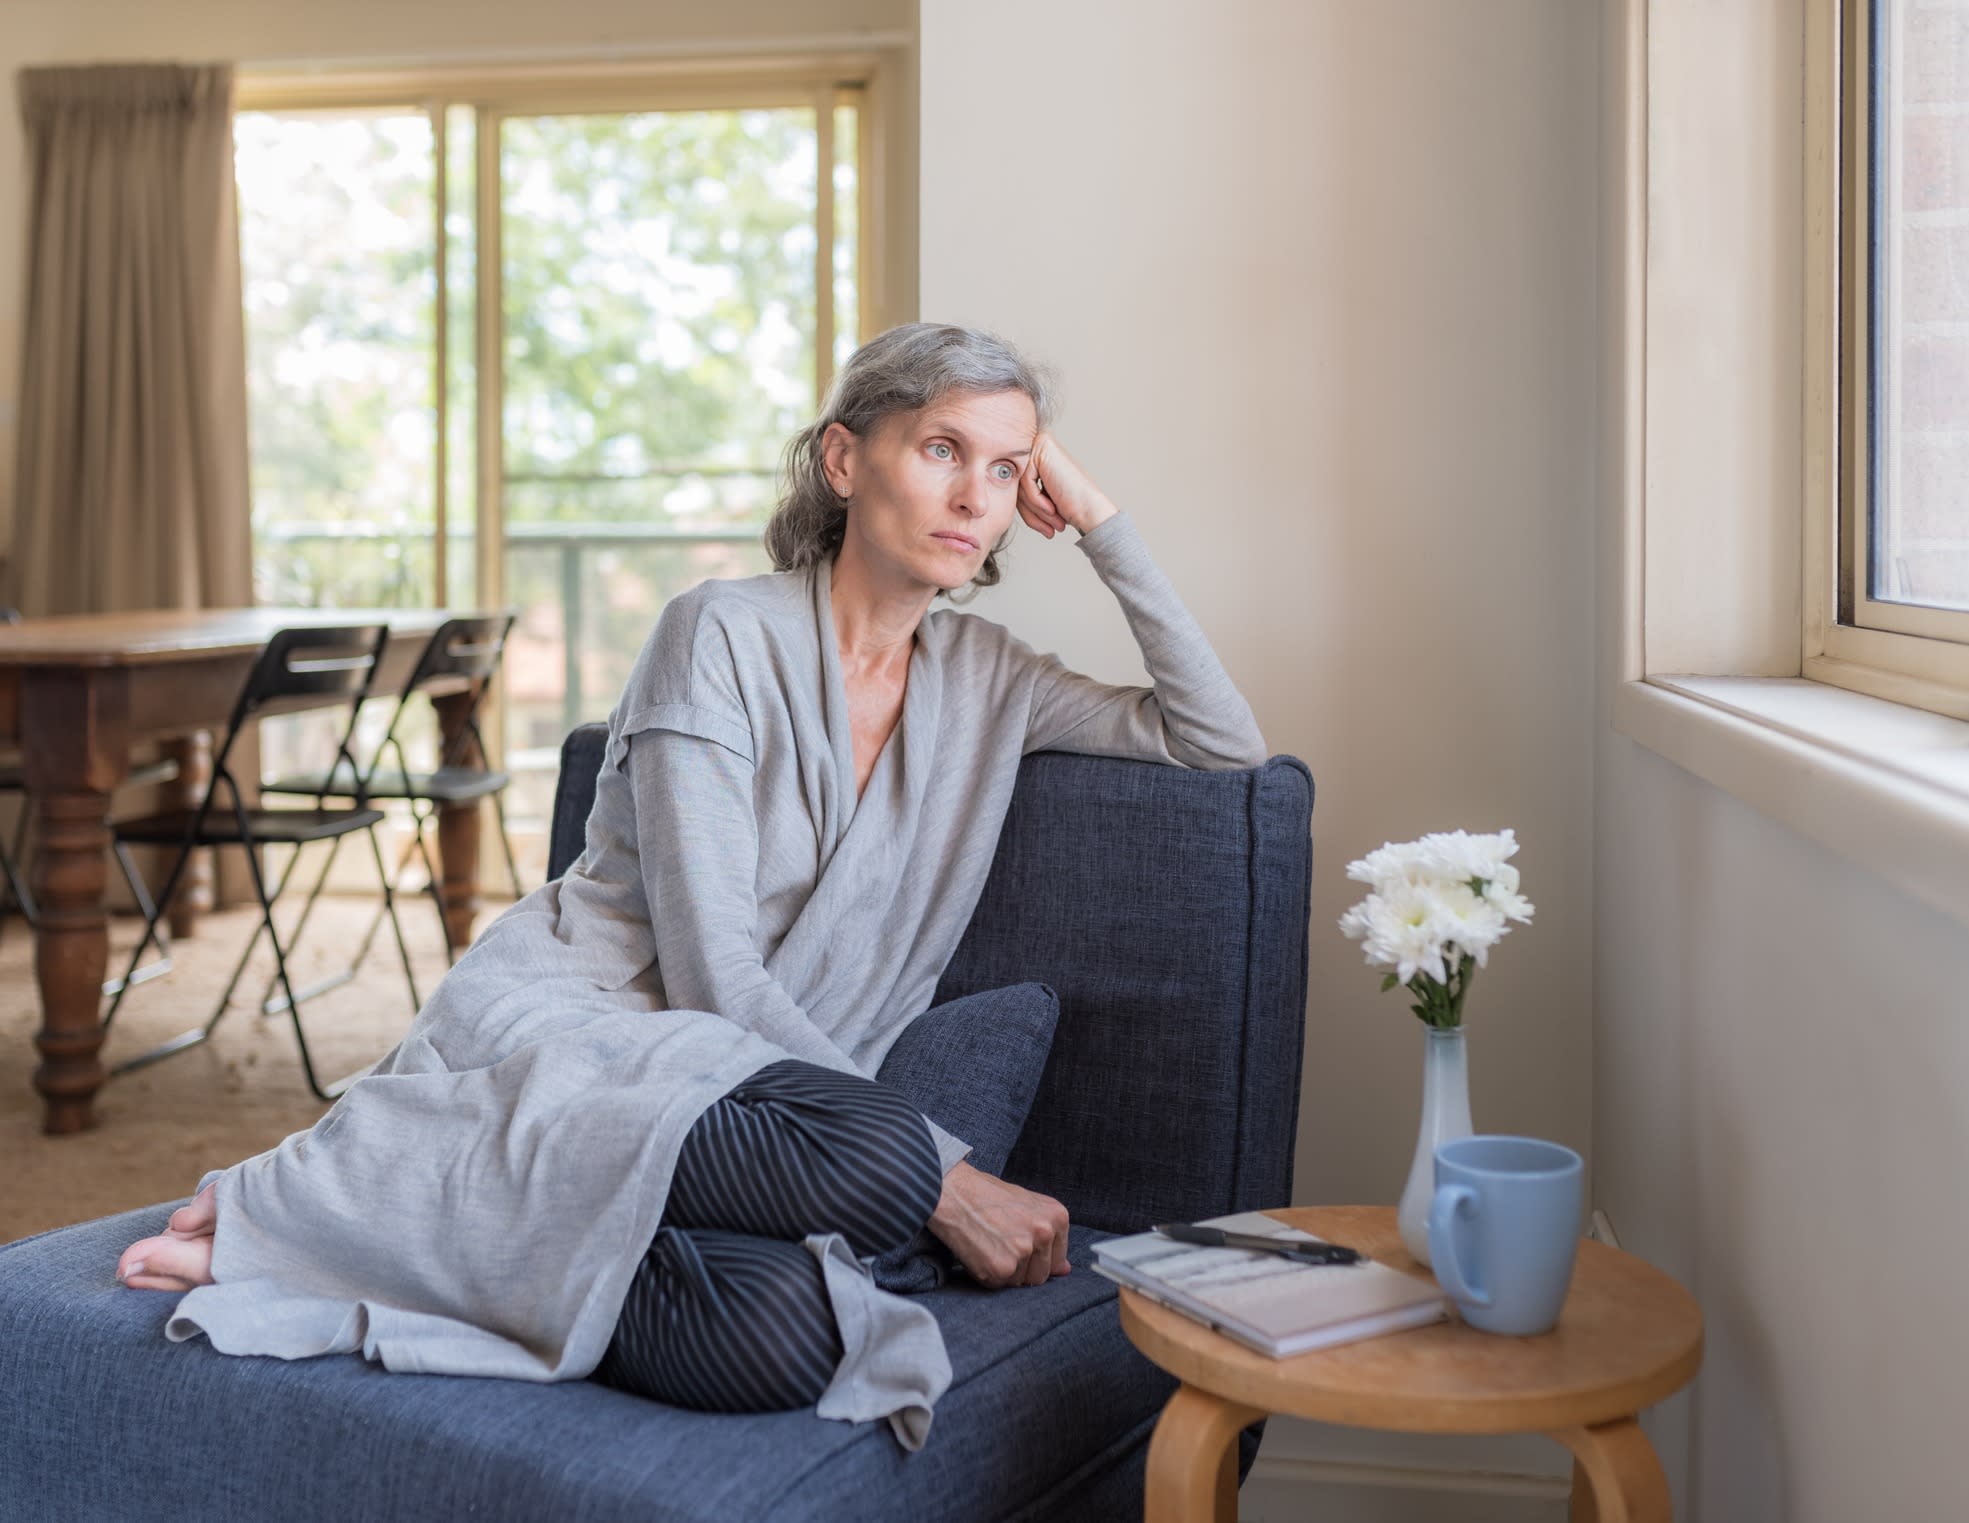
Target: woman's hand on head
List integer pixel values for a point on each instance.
(1055, 493)
(1002, 1234)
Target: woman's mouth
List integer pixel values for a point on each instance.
(961, 541)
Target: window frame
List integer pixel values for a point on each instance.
(1906, 654)
(1708, 527)
(822, 80)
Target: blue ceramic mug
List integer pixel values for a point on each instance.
(1504, 1230)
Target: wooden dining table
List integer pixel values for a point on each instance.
(78, 695)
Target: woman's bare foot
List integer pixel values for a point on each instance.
(180, 1256)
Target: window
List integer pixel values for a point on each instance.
(1895, 618)
(537, 342)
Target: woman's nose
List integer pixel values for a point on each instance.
(974, 492)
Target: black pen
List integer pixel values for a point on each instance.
(1217, 1237)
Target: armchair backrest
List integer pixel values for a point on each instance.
(1168, 909)
(574, 795)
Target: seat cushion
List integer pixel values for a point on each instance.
(1048, 1415)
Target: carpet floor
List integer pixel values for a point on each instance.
(162, 1126)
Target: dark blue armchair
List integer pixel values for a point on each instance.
(1168, 908)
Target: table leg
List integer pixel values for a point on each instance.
(75, 733)
(458, 829)
(1192, 1469)
(193, 754)
(1617, 1477)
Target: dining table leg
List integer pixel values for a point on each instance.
(76, 750)
(458, 826)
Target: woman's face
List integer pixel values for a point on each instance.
(931, 492)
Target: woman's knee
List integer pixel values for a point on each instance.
(724, 1322)
(847, 1154)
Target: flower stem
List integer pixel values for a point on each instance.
(1442, 1003)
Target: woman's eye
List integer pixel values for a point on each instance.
(1006, 473)
(937, 444)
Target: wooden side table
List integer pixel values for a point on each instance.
(1628, 1337)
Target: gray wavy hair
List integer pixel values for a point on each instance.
(903, 370)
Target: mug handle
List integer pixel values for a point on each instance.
(1443, 1214)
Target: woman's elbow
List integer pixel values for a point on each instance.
(1227, 753)
(1253, 754)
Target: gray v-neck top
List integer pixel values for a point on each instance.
(479, 1202)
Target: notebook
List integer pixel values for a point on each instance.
(1266, 1302)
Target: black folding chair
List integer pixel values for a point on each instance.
(304, 663)
(467, 650)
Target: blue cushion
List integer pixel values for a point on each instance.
(1047, 1416)
(972, 1065)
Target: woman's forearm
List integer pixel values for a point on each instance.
(1192, 716)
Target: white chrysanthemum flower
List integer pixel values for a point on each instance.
(1401, 929)
(1388, 864)
(1509, 902)
(1434, 902)
(1460, 856)
(1469, 922)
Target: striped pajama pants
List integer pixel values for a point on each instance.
(727, 1312)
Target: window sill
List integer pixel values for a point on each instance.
(1882, 784)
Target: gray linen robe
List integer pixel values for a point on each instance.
(478, 1203)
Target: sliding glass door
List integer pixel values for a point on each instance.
(520, 355)
(660, 341)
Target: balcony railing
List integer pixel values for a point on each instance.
(375, 565)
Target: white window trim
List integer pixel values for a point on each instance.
(1906, 654)
(1879, 783)
(1871, 763)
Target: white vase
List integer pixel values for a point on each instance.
(1445, 1117)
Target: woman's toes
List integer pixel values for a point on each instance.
(166, 1263)
(133, 1258)
(201, 1216)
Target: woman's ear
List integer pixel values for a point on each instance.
(837, 458)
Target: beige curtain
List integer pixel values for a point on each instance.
(131, 477)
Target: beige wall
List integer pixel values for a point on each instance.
(1779, 1050)
(1319, 279)
(424, 31)
(1321, 282)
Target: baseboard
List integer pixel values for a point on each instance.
(1291, 1490)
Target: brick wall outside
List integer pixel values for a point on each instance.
(1924, 551)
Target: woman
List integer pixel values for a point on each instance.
(633, 1132)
